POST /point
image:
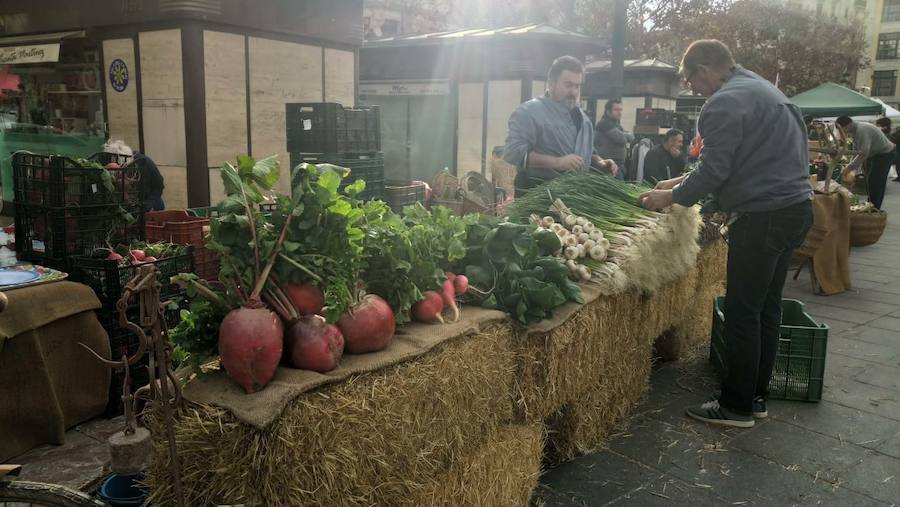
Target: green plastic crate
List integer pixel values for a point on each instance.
(800, 361)
(205, 212)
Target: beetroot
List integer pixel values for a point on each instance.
(448, 294)
(313, 344)
(429, 308)
(460, 284)
(306, 298)
(367, 326)
(250, 345)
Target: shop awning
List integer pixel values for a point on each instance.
(830, 100)
(36, 48)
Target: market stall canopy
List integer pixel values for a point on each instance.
(830, 99)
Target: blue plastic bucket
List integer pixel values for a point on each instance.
(123, 490)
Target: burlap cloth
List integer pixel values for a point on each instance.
(48, 383)
(412, 340)
(831, 260)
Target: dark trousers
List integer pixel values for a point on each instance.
(879, 166)
(154, 203)
(759, 251)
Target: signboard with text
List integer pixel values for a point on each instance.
(404, 89)
(37, 53)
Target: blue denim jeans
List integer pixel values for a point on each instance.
(759, 251)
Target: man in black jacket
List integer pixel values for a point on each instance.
(667, 160)
(610, 139)
(152, 182)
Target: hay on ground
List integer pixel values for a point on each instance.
(377, 439)
(503, 473)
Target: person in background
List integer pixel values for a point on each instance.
(152, 182)
(755, 162)
(610, 139)
(550, 135)
(876, 150)
(667, 160)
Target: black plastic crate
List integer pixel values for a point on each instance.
(60, 181)
(108, 278)
(399, 194)
(799, 369)
(369, 168)
(328, 127)
(51, 236)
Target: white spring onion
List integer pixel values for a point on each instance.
(571, 220)
(598, 253)
(571, 252)
(547, 221)
(570, 263)
(596, 235)
(581, 250)
(580, 220)
(588, 226)
(570, 240)
(555, 227)
(584, 272)
(589, 244)
(576, 229)
(604, 243)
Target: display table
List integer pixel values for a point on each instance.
(467, 422)
(48, 382)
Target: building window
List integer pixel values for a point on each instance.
(891, 10)
(884, 82)
(861, 5)
(887, 46)
(819, 6)
(390, 27)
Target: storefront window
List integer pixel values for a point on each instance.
(50, 101)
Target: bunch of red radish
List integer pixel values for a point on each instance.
(433, 304)
(135, 257)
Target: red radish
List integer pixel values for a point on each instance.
(429, 308)
(250, 345)
(306, 297)
(448, 294)
(313, 344)
(113, 165)
(113, 256)
(451, 276)
(138, 255)
(367, 326)
(461, 284)
(150, 259)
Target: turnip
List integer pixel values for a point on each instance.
(307, 298)
(310, 343)
(250, 345)
(448, 294)
(368, 326)
(429, 308)
(461, 284)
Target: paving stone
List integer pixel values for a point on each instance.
(79, 462)
(866, 351)
(597, 478)
(874, 335)
(865, 397)
(101, 429)
(889, 323)
(793, 447)
(849, 425)
(875, 475)
(868, 295)
(830, 313)
(872, 307)
(827, 495)
(840, 365)
(670, 491)
(881, 376)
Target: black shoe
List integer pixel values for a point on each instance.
(759, 408)
(713, 413)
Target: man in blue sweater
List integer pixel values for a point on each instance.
(755, 162)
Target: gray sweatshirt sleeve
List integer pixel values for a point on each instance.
(520, 138)
(721, 126)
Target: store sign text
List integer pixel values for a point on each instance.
(29, 54)
(404, 89)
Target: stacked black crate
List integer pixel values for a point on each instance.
(328, 133)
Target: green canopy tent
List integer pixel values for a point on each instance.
(830, 100)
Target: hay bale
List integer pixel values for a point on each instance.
(584, 425)
(504, 472)
(379, 438)
(558, 368)
(693, 331)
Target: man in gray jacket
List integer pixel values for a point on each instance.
(876, 150)
(610, 139)
(755, 162)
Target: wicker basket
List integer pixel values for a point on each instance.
(814, 239)
(866, 227)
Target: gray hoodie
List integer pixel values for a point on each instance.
(755, 155)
